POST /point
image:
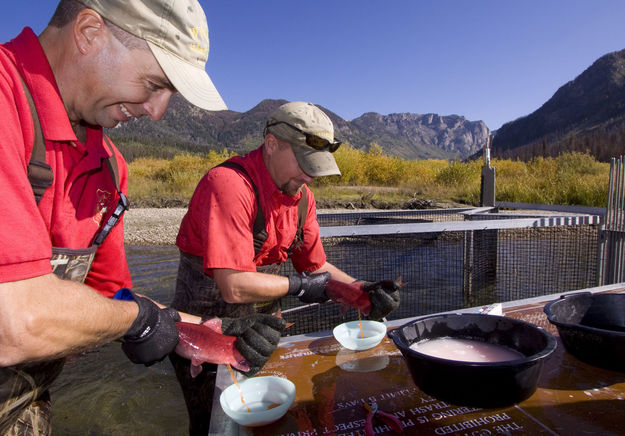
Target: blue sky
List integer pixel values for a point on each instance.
(489, 60)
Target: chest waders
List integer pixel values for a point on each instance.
(197, 293)
(24, 397)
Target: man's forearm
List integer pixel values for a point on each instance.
(335, 273)
(249, 287)
(46, 317)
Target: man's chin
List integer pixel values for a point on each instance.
(294, 192)
(112, 124)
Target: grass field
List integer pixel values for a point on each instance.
(374, 179)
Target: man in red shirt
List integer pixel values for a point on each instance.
(97, 63)
(230, 261)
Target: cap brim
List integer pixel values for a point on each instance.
(191, 82)
(315, 163)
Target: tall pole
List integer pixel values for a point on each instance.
(487, 197)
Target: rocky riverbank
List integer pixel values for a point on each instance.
(153, 226)
(159, 226)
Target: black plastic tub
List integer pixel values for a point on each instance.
(592, 327)
(476, 384)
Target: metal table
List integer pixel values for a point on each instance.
(332, 384)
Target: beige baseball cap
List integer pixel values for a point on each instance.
(291, 122)
(177, 33)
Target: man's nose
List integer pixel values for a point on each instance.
(157, 104)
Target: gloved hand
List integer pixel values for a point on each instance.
(309, 288)
(257, 337)
(384, 297)
(152, 335)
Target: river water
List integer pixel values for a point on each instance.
(102, 393)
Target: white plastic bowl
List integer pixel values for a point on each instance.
(259, 393)
(348, 334)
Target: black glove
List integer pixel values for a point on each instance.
(152, 335)
(384, 297)
(309, 288)
(257, 337)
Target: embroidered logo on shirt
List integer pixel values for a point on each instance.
(104, 198)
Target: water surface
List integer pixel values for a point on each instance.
(103, 393)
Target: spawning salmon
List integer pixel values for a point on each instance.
(202, 343)
(349, 294)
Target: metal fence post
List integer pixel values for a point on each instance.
(613, 248)
(487, 188)
(467, 268)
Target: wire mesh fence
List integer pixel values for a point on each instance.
(452, 264)
(391, 217)
(613, 250)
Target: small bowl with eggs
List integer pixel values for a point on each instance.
(359, 335)
(258, 401)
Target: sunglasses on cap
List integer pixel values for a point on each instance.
(314, 141)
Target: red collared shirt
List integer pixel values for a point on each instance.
(83, 192)
(219, 222)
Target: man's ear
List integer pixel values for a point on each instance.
(88, 30)
(271, 143)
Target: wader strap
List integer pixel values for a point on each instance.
(111, 163)
(39, 172)
(122, 203)
(302, 213)
(260, 230)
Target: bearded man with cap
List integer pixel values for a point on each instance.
(96, 64)
(247, 216)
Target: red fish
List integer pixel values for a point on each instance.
(349, 294)
(205, 343)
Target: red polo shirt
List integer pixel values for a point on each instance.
(83, 192)
(219, 222)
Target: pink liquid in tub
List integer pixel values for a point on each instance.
(466, 350)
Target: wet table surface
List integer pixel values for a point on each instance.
(332, 383)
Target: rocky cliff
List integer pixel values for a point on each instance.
(410, 136)
(583, 115)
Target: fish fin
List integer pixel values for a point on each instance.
(278, 314)
(344, 308)
(399, 283)
(195, 369)
(239, 361)
(214, 324)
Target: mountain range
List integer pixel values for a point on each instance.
(410, 136)
(586, 114)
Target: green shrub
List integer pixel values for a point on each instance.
(373, 177)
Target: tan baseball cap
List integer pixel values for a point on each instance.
(290, 121)
(177, 33)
